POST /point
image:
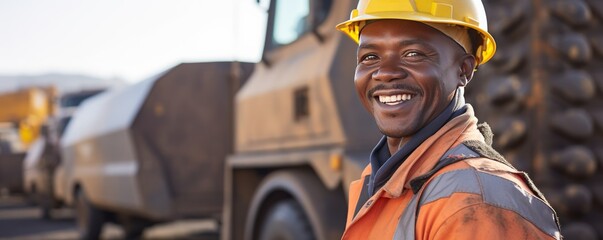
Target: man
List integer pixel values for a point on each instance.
(433, 175)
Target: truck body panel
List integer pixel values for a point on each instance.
(155, 149)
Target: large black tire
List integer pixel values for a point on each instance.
(286, 221)
(89, 219)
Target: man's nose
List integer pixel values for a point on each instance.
(389, 70)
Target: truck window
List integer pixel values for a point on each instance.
(63, 122)
(74, 100)
(290, 21)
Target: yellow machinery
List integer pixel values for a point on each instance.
(24, 112)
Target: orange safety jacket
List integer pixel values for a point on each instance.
(453, 186)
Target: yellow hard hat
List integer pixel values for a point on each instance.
(466, 13)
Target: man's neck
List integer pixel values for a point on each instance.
(394, 144)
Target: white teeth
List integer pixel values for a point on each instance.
(394, 99)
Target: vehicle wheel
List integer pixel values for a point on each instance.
(32, 196)
(89, 218)
(45, 212)
(46, 203)
(134, 233)
(286, 221)
(133, 227)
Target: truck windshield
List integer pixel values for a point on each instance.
(290, 21)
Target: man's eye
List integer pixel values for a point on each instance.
(368, 57)
(412, 54)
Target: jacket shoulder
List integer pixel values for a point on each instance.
(484, 187)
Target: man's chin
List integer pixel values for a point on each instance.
(395, 133)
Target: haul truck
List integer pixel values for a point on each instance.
(273, 159)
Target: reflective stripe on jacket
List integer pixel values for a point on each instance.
(447, 190)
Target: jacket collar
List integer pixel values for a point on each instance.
(384, 164)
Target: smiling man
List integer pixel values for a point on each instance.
(434, 174)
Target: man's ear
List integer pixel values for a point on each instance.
(468, 63)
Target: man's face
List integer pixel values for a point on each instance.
(406, 75)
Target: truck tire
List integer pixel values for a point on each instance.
(45, 212)
(321, 214)
(286, 221)
(134, 233)
(89, 219)
(32, 196)
(46, 203)
(35, 197)
(133, 227)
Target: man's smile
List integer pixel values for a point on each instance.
(394, 99)
(396, 95)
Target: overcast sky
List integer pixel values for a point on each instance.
(129, 39)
